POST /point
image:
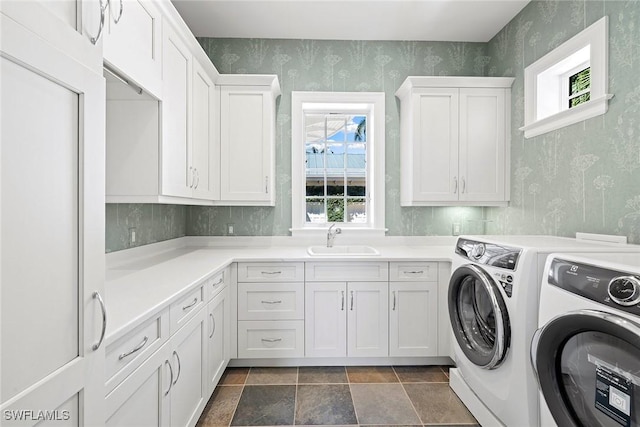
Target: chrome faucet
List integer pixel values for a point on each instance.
(331, 234)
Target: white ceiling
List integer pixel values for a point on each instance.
(421, 20)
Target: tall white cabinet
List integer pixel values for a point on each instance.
(455, 141)
(52, 217)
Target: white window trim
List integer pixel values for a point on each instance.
(595, 37)
(374, 104)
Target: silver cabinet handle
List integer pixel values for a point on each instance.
(171, 379)
(351, 308)
(394, 300)
(271, 339)
(464, 185)
(271, 272)
(455, 184)
(186, 307)
(272, 302)
(96, 295)
(213, 325)
(192, 176)
(342, 303)
(266, 184)
(414, 272)
(103, 8)
(116, 20)
(135, 349)
(175, 353)
(219, 282)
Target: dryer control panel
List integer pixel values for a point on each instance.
(488, 253)
(617, 289)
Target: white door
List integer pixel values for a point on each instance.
(142, 399)
(245, 144)
(132, 46)
(52, 231)
(205, 148)
(482, 144)
(413, 319)
(188, 359)
(435, 160)
(218, 338)
(325, 319)
(367, 319)
(177, 178)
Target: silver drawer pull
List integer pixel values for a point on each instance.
(219, 282)
(186, 307)
(271, 302)
(135, 349)
(272, 272)
(175, 353)
(96, 295)
(394, 301)
(271, 339)
(414, 272)
(171, 379)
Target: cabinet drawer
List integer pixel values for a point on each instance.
(267, 339)
(413, 271)
(215, 283)
(125, 355)
(185, 308)
(271, 301)
(347, 271)
(270, 272)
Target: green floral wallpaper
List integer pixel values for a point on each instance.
(585, 177)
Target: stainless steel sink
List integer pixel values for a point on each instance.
(344, 250)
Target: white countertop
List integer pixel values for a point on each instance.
(141, 282)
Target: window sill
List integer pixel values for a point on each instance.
(318, 231)
(592, 108)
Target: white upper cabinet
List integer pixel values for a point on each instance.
(454, 141)
(52, 174)
(247, 139)
(176, 177)
(132, 43)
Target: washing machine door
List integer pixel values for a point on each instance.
(479, 316)
(588, 367)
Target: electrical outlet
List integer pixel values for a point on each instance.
(132, 236)
(455, 229)
(230, 229)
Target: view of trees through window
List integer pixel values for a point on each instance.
(579, 87)
(335, 172)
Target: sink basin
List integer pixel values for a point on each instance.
(347, 250)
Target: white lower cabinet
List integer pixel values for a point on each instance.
(169, 388)
(218, 337)
(346, 319)
(413, 319)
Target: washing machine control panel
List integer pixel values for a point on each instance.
(617, 289)
(488, 253)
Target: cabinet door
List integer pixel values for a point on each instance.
(325, 319)
(246, 144)
(132, 45)
(52, 230)
(435, 159)
(218, 338)
(413, 319)
(367, 319)
(482, 144)
(188, 360)
(142, 400)
(176, 76)
(205, 149)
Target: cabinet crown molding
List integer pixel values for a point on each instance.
(251, 80)
(413, 82)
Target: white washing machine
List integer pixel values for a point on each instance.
(587, 352)
(493, 308)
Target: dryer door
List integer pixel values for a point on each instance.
(478, 316)
(588, 367)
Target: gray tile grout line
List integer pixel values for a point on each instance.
(295, 396)
(239, 398)
(415, 411)
(353, 403)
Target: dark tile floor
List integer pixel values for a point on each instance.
(363, 395)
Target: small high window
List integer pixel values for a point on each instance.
(569, 84)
